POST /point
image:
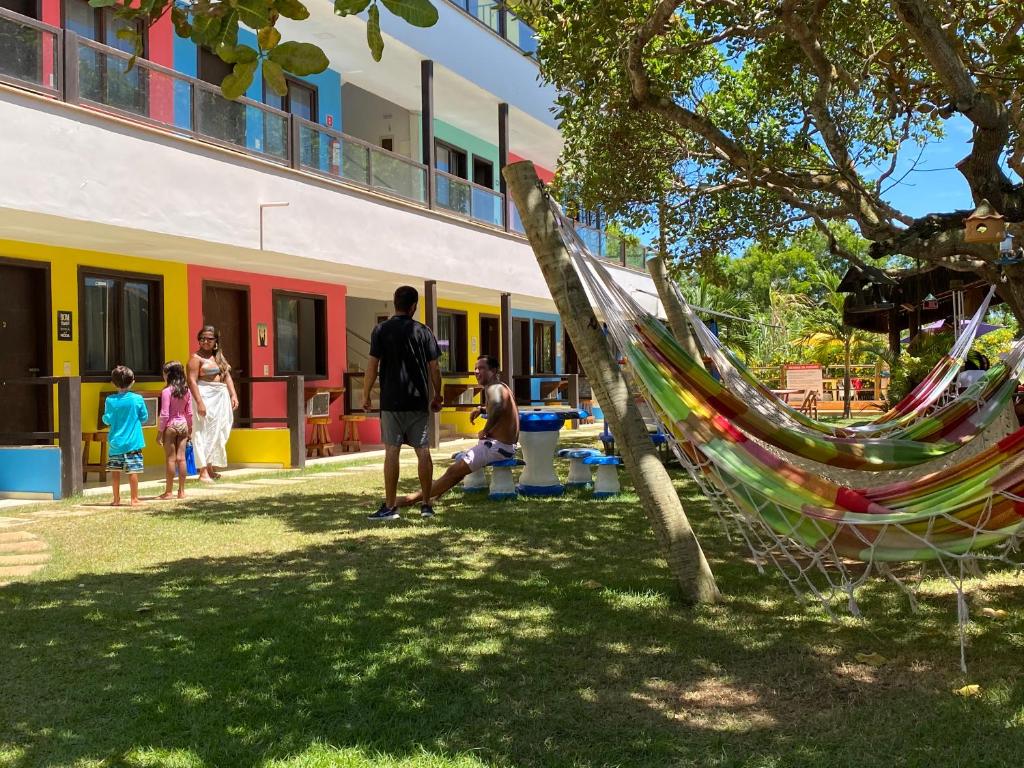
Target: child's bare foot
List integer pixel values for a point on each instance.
(115, 503)
(181, 494)
(215, 475)
(167, 495)
(137, 502)
(205, 479)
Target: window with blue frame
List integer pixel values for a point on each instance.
(104, 78)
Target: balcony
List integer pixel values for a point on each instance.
(63, 66)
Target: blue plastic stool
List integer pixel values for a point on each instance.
(502, 484)
(607, 481)
(474, 482)
(580, 475)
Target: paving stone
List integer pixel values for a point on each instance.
(34, 544)
(6, 536)
(13, 571)
(36, 558)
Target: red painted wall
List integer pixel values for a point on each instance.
(268, 399)
(542, 173)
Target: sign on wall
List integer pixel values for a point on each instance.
(64, 328)
(261, 334)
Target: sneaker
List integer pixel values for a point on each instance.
(384, 513)
(426, 511)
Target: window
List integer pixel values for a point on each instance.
(483, 172)
(120, 323)
(451, 194)
(450, 159)
(300, 334)
(387, 143)
(451, 336)
(105, 78)
(301, 99)
(543, 347)
(490, 335)
(217, 117)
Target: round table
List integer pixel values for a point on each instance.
(538, 437)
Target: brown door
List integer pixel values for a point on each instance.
(521, 360)
(24, 349)
(227, 309)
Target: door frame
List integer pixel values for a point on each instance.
(47, 327)
(247, 290)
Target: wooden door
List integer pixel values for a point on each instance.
(25, 345)
(521, 360)
(226, 307)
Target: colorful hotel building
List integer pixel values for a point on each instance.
(138, 205)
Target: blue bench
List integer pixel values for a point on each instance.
(607, 481)
(580, 475)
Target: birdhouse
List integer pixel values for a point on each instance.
(930, 302)
(984, 225)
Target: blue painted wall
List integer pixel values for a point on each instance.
(30, 470)
(546, 317)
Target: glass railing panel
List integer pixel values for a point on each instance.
(28, 54)
(519, 33)
(515, 223)
(104, 78)
(398, 175)
(636, 256)
(487, 11)
(591, 238)
(487, 206)
(452, 194)
(243, 124)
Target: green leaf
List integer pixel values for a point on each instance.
(102, 3)
(299, 58)
(347, 7)
(127, 33)
(237, 54)
(201, 28)
(291, 9)
(255, 14)
(179, 18)
(227, 34)
(237, 83)
(273, 75)
(373, 36)
(268, 38)
(419, 13)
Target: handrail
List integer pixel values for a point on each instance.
(468, 183)
(28, 21)
(361, 142)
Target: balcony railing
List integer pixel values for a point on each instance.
(493, 15)
(62, 65)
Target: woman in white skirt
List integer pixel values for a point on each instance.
(213, 403)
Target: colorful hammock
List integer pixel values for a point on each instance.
(890, 423)
(803, 522)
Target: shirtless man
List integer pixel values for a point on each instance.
(497, 439)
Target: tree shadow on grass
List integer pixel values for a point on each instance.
(525, 635)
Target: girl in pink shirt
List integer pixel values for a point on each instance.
(174, 425)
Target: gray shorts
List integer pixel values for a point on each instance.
(408, 427)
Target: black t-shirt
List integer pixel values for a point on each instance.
(404, 347)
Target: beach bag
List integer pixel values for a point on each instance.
(190, 460)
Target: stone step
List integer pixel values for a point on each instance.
(36, 558)
(14, 571)
(6, 536)
(21, 547)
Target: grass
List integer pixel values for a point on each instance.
(280, 628)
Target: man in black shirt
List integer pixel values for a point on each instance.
(404, 352)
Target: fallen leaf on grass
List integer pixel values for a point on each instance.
(874, 659)
(971, 691)
(144, 608)
(993, 613)
(591, 584)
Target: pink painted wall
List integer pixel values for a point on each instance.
(159, 50)
(542, 173)
(268, 399)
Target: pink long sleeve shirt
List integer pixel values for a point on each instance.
(174, 409)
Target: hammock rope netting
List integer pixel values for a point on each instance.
(909, 494)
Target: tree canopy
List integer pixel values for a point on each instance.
(757, 117)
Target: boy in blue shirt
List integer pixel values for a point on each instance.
(125, 413)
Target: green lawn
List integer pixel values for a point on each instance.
(281, 628)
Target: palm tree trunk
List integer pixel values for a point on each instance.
(652, 482)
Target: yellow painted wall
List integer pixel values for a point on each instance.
(64, 264)
(260, 446)
(460, 419)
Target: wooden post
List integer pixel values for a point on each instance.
(427, 106)
(430, 320)
(506, 337)
(297, 420)
(503, 161)
(653, 484)
(69, 431)
(572, 394)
